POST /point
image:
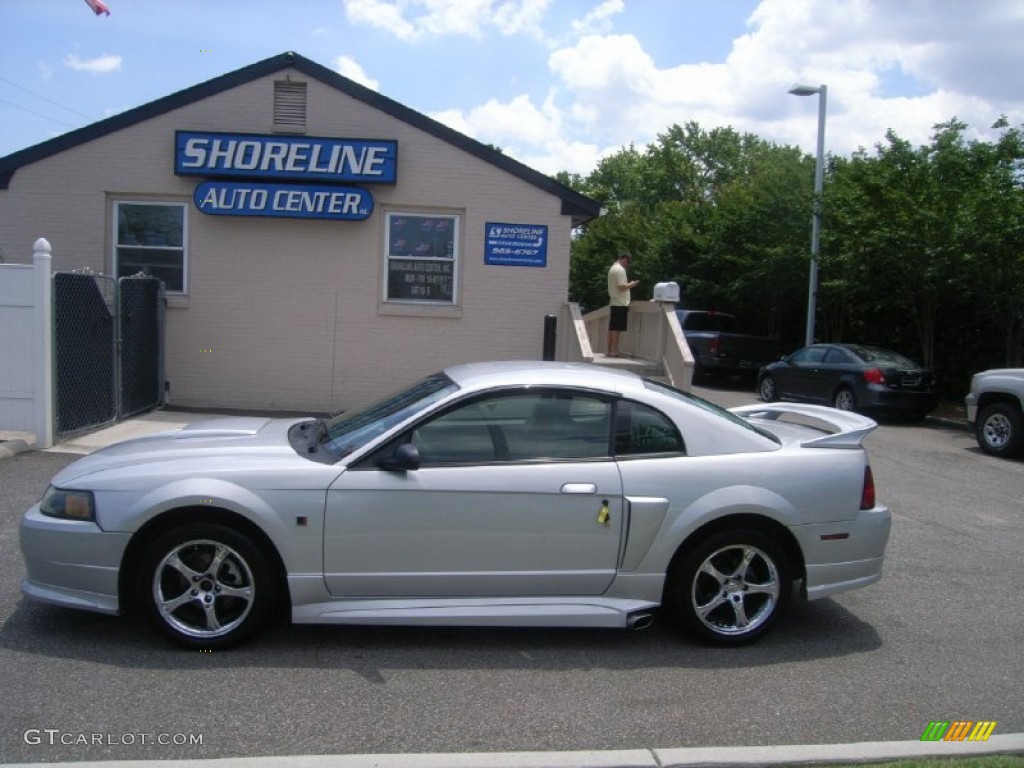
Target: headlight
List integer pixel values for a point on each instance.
(71, 505)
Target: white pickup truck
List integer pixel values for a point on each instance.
(995, 409)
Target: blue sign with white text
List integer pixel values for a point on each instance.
(305, 158)
(295, 201)
(516, 245)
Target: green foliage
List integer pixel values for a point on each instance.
(921, 248)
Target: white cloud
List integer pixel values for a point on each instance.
(45, 70)
(413, 19)
(380, 14)
(599, 20)
(610, 89)
(531, 134)
(901, 65)
(347, 66)
(101, 64)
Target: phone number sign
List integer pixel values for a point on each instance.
(516, 245)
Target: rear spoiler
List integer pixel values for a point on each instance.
(850, 428)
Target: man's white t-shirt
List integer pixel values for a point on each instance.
(617, 277)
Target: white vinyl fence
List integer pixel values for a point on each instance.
(26, 386)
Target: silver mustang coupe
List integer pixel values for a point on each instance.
(498, 494)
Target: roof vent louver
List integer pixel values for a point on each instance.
(289, 107)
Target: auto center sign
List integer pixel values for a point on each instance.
(318, 163)
(298, 201)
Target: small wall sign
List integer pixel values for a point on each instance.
(516, 245)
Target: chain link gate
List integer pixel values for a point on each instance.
(108, 348)
(141, 303)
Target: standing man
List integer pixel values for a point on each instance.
(619, 286)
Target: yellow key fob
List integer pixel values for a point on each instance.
(605, 515)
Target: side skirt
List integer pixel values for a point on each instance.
(493, 612)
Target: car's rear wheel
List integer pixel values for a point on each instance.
(766, 388)
(844, 400)
(1000, 430)
(206, 586)
(730, 589)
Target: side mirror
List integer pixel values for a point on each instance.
(784, 358)
(405, 458)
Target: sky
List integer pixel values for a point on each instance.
(557, 84)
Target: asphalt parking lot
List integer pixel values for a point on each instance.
(938, 638)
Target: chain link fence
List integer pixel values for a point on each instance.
(108, 348)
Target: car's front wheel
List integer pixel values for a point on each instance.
(1000, 430)
(730, 589)
(766, 388)
(206, 586)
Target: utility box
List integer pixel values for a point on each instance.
(666, 292)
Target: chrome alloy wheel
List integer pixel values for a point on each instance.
(735, 590)
(203, 589)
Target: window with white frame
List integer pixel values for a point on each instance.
(421, 258)
(150, 238)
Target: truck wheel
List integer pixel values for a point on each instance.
(1000, 430)
(699, 375)
(767, 389)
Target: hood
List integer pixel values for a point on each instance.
(202, 444)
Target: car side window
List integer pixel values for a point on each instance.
(836, 355)
(510, 427)
(641, 430)
(808, 355)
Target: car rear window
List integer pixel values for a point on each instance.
(878, 356)
(710, 407)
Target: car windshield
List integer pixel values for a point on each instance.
(877, 356)
(710, 407)
(350, 431)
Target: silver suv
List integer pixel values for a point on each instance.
(995, 409)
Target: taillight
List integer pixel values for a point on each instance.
(713, 346)
(874, 376)
(867, 495)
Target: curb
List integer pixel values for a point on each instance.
(700, 757)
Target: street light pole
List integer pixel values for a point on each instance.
(819, 184)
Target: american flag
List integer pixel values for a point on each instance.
(98, 7)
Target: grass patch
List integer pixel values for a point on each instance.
(986, 761)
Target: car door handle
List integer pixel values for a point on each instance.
(579, 488)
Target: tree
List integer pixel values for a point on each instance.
(716, 211)
(913, 236)
(922, 248)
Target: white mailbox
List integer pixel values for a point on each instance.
(666, 292)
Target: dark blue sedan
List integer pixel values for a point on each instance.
(852, 377)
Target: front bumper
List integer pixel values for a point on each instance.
(71, 562)
(971, 401)
(835, 565)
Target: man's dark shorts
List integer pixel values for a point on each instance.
(619, 318)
